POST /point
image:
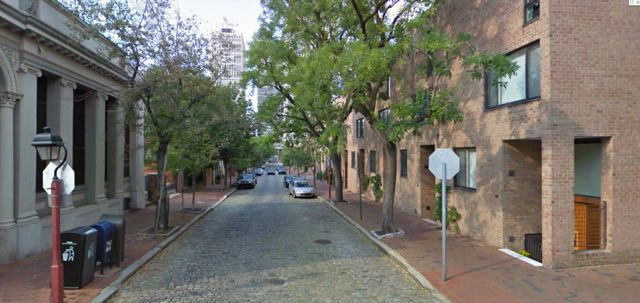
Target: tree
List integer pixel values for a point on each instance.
(295, 52)
(170, 66)
(382, 34)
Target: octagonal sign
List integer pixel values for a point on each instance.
(444, 155)
(66, 175)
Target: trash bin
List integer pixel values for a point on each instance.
(118, 245)
(106, 231)
(78, 247)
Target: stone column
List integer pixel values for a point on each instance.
(95, 137)
(8, 234)
(557, 199)
(7, 103)
(115, 150)
(136, 161)
(60, 111)
(25, 158)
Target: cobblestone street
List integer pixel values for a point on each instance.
(263, 246)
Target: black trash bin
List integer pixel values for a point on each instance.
(118, 246)
(78, 247)
(104, 253)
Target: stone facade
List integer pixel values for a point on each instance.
(45, 79)
(589, 71)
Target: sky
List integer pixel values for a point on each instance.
(243, 14)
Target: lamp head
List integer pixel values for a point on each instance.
(48, 145)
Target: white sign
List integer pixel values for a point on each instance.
(278, 146)
(634, 2)
(447, 156)
(66, 175)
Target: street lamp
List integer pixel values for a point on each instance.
(48, 146)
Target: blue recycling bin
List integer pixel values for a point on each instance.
(106, 232)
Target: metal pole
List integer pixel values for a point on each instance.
(444, 221)
(329, 180)
(57, 278)
(359, 185)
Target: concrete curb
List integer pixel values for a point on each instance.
(111, 290)
(391, 253)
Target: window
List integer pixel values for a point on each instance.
(360, 128)
(425, 102)
(531, 10)
(403, 163)
(384, 115)
(523, 86)
(79, 137)
(372, 161)
(467, 175)
(353, 159)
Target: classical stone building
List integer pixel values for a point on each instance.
(551, 162)
(48, 80)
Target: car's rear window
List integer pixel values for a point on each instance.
(247, 176)
(302, 184)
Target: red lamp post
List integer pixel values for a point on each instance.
(48, 146)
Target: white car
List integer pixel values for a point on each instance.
(301, 188)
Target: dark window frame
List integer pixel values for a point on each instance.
(404, 158)
(384, 114)
(488, 85)
(527, 4)
(353, 159)
(456, 183)
(373, 162)
(360, 128)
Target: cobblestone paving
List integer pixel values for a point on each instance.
(263, 246)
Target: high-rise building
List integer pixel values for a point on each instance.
(230, 48)
(264, 93)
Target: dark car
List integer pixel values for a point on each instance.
(271, 171)
(287, 180)
(281, 170)
(247, 181)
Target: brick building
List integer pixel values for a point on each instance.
(553, 157)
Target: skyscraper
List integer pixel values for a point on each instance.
(264, 93)
(229, 46)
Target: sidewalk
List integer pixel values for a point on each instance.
(28, 280)
(480, 273)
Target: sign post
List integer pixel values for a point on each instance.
(444, 164)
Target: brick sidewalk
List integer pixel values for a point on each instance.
(480, 273)
(28, 280)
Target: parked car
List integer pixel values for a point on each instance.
(287, 180)
(281, 170)
(259, 171)
(301, 188)
(271, 171)
(247, 181)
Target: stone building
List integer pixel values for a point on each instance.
(48, 80)
(550, 163)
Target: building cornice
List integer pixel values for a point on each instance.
(37, 30)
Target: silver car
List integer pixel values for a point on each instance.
(301, 188)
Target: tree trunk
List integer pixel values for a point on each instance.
(337, 176)
(193, 190)
(389, 187)
(314, 174)
(162, 213)
(224, 177)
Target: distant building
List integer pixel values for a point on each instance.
(230, 46)
(264, 93)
